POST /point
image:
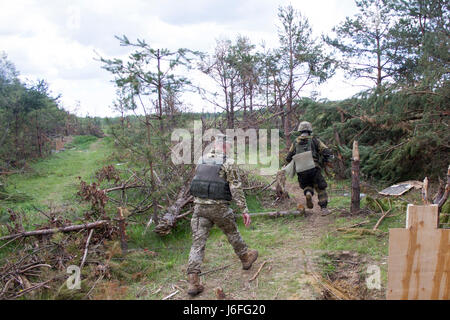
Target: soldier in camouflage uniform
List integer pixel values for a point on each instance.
(216, 182)
(312, 179)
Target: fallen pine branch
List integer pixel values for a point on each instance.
(42, 232)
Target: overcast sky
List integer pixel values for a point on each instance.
(57, 40)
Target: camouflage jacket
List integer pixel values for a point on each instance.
(231, 173)
(321, 153)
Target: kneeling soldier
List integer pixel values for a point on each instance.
(216, 183)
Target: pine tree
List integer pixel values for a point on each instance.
(301, 61)
(364, 45)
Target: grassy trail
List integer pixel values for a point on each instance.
(52, 182)
(155, 267)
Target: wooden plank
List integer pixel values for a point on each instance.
(419, 257)
(396, 189)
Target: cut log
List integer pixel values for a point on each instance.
(42, 232)
(355, 201)
(170, 218)
(276, 214)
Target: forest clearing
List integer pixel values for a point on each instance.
(266, 190)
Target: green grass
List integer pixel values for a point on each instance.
(53, 181)
(158, 262)
(81, 142)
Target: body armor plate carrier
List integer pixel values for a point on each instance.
(304, 157)
(208, 184)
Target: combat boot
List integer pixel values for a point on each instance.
(309, 202)
(248, 258)
(324, 211)
(194, 284)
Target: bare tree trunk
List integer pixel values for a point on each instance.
(161, 125)
(355, 204)
(122, 229)
(340, 172)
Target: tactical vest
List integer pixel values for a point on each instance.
(208, 184)
(310, 145)
(305, 145)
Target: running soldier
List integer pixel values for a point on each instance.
(310, 155)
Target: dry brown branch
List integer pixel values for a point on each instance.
(93, 286)
(381, 219)
(123, 187)
(356, 225)
(361, 231)
(77, 227)
(86, 248)
(171, 295)
(214, 270)
(257, 272)
(276, 214)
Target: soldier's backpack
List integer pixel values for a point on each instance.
(303, 158)
(208, 184)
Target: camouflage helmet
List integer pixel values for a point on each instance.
(304, 126)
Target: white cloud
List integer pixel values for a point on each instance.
(57, 40)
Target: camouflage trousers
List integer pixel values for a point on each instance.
(314, 180)
(203, 219)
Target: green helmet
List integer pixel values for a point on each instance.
(305, 126)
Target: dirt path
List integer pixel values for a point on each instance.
(314, 217)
